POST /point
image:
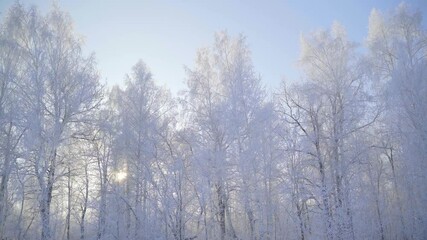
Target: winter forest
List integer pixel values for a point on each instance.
(341, 154)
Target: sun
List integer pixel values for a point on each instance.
(121, 176)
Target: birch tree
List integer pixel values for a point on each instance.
(11, 118)
(61, 89)
(398, 46)
(145, 112)
(223, 100)
(332, 111)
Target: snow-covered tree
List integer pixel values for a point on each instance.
(223, 106)
(398, 47)
(58, 88)
(331, 111)
(339, 155)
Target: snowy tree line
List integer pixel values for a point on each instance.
(340, 155)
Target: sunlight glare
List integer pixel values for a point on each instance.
(120, 176)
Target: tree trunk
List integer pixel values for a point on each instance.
(45, 215)
(86, 197)
(221, 210)
(68, 218)
(5, 179)
(103, 174)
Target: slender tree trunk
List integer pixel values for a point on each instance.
(138, 208)
(45, 215)
(181, 226)
(21, 210)
(324, 194)
(46, 199)
(251, 220)
(301, 222)
(221, 210)
(144, 206)
(397, 190)
(5, 173)
(230, 223)
(86, 198)
(128, 210)
(103, 174)
(205, 222)
(68, 218)
(377, 205)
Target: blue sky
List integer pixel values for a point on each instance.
(167, 34)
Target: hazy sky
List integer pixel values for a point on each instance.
(167, 34)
